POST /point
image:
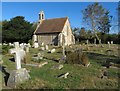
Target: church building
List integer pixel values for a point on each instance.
(56, 31)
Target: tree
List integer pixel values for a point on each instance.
(76, 33)
(17, 29)
(94, 15)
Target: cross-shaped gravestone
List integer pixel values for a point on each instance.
(19, 54)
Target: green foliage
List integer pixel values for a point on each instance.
(5, 49)
(79, 78)
(17, 29)
(76, 57)
(97, 18)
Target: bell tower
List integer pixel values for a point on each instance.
(41, 16)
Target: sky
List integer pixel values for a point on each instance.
(30, 11)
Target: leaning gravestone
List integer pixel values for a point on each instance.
(20, 74)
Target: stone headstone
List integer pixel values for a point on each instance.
(27, 49)
(43, 48)
(57, 66)
(34, 38)
(28, 45)
(40, 55)
(111, 42)
(53, 50)
(36, 45)
(10, 44)
(42, 44)
(22, 46)
(94, 41)
(17, 77)
(63, 75)
(100, 41)
(42, 64)
(87, 41)
(108, 44)
(46, 47)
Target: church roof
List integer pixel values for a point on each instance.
(51, 25)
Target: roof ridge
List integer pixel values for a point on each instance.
(56, 18)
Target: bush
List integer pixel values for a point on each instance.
(5, 48)
(76, 57)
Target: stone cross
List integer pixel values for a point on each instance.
(19, 54)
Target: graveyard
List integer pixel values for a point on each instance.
(47, 68)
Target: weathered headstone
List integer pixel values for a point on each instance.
(111, 42)
(87, 41)
(28, 45)
(46, 47)
(94, 41)
(21, 74)
(108, 44)
(42, 64)
(27, 49)
(42, 44)
(57, 66)
(42, 48)
(100, 41)
(53, 50)
(63, 75)
(36, 45)
(40, 55)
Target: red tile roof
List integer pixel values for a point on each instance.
(51, 25)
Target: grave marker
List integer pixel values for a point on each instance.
(21, 74)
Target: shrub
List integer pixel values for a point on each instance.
(5, 48)
(76, 57)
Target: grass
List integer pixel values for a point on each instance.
(80, 77)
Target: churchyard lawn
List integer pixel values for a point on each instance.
(79, 77)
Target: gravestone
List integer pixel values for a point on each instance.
(42, 48)
(57, 66)
(20, 74)
(94, 41)
(42, 64)
(46, 47)
(100, 41)
(40, 55)
(28, 45)
(53, 50)
(36, 45)
(27, 49)
(87, 41)
(108, 44)
(111, 42)
(42, 44)
(64, 75)
(22, 46)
